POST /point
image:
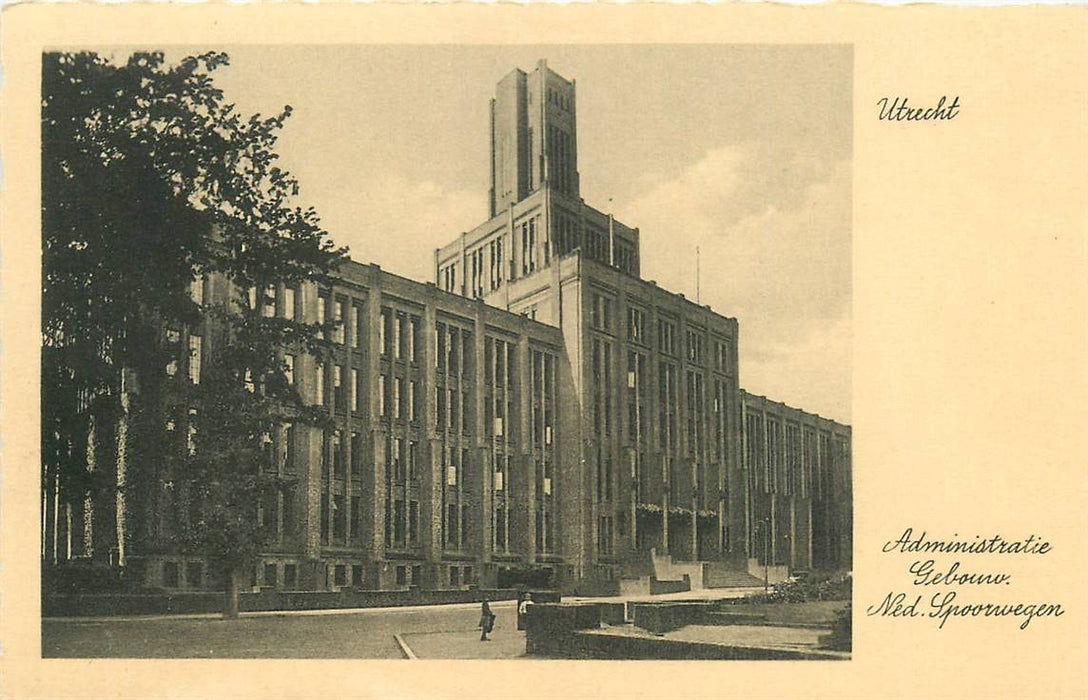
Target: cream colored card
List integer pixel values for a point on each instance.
(965, 341)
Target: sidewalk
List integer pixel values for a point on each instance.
(504, 642)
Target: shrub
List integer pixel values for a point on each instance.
(815, 587)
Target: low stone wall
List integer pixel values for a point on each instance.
(680, 586)
(95, 605)
(550, 627)
(659, 618)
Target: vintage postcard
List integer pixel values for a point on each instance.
(388, 340)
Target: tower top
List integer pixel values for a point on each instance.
(533, 136)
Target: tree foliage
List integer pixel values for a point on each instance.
(150, 179)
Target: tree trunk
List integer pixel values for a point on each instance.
(230, 611)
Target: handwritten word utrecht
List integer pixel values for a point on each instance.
(997, 544)
(899, 110)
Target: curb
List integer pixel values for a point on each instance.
(404, 648)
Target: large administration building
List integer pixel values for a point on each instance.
(540, 412)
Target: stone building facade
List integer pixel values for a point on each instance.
(538, 412)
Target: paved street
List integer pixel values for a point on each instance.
(363, 634)
(430, 632)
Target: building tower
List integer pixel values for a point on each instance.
(533, 136)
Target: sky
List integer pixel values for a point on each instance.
(742, 151)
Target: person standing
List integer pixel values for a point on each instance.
(523, 610)
(487, 620)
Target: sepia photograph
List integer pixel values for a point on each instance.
(447, 351)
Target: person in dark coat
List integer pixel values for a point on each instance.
(487, 620)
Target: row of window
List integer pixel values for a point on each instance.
(601, 317)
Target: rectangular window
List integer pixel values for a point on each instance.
(465, 542)
(398, 336)
(354, 389)
(381, 395)
(319, 383)
(451, 524)
(337, 456)
(322, 314)
(413, 330)
(398, 406)
(338, 317)
(289, 303)
(398, 522)
(289, 368)
(398, 462)
(358, 324)
(413, 459)
(413, 400)
(196, 344)
(340, 575)
(402, 575)
(413, 522)
(338, 386)
(357, 575)
(339, 518)
(268, 309)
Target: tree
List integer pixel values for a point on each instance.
(149, 181)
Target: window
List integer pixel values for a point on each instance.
(290, 577)
(319, 383)
(322, 313)
(338, 317)
(340, 575)
(464, 537)
(289, 303)
(337, 456)
(398, 393)
(359, 320)
(398, 336)
(289, 449)
(268, 307)
(398, 463)
(666, 337)
(451, 524)
(338, 386)
(413, 522)
(413, 329)
(196, 344)
(413, 400)
(270, 575)
(385, 332)
(455, 572)
(398, 522)
(635, 323)
(381, 395)
(402, 575)
(695, 347)
(289, 368)
(357, 575)
(722, 356)
(600, 312)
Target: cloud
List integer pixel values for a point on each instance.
(397, 223)
(774, 232)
